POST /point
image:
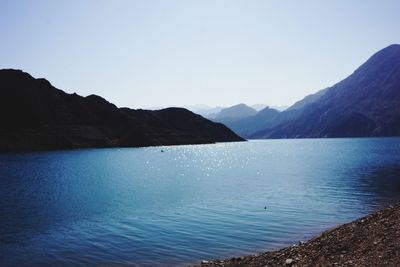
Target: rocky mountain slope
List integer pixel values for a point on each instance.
(367, 103)
(35, 115)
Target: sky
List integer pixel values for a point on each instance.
(143, 54)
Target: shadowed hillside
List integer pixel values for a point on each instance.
(367, 103)
(37, 116)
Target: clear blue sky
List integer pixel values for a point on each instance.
(173, 53)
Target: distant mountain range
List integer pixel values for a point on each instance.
(367, 103)
(35, 115)
(235, 112)
(207, 112)
(213, 112)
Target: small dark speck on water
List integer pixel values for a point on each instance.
(162, 150)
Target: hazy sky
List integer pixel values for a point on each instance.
(172, 53)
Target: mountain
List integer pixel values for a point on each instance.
(232, 115)
(212, 112)
(308, 100)
(248, 125)
(235, 112)
(203, 110)
(245, 121)
(35, 115)
(195, 108)
(280, 108)
(242, 119)
(367, 103)
(208, 113)
(259, 107)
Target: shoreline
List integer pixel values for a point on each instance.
(372, 240)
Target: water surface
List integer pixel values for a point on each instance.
(141, 206)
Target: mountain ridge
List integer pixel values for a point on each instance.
(37, 116)
(235, 112)
(366, 103)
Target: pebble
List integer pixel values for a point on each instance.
(371, 225)
(288, 261)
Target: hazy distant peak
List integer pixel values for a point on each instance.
(240, 105)
(237, 111)
(267, 108)
(197, 107)
(259, 107)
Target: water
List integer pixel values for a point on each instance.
(139, 206)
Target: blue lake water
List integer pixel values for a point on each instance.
(139, 206)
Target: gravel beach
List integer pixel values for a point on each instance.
(373, 240)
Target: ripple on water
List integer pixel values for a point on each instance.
(139, 206)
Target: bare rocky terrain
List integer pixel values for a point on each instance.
(373, 240)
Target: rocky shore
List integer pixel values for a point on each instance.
(373, 240)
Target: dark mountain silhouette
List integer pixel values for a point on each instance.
(367, 103)
(36, 116)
